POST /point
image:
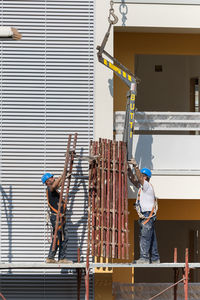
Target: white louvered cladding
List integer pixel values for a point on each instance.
(46, 94)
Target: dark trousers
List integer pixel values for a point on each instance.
(148, 241)
(62, 238)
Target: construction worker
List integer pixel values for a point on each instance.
(146, 206)
(62, 237)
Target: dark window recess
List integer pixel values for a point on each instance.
(158, 68)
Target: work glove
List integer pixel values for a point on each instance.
(133, 162)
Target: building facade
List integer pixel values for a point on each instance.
(159, 42)
(47, 92)
(52, 85)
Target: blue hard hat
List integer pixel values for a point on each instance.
(146, 172)
(46, 176)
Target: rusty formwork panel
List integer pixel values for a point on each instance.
(109, 199)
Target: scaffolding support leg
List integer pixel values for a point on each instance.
(87, 279)
(186, 274)
(79, 275)
(175, 274)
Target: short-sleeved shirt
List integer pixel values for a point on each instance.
(53, 198)
(147, 197)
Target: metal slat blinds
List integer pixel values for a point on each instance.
(46, 94)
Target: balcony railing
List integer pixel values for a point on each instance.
(163, 141)
(160, 121)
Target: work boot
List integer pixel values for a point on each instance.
(65, 261)
(50, 260)
(157, 261)
(141, 261)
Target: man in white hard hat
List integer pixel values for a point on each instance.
(146, 206)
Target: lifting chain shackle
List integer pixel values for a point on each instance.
(112, 18)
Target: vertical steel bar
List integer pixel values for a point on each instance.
(129, 120)
(102, 195)
(108, 202)
(175, 274)
(126, 201)
(123, 204)
(175, 255)
(61, 192)
(186, 274)
(79, 274)
(93, 183)
(87, 279)
(114, 199)
(89, 231)
(120, 201)
(98, 200)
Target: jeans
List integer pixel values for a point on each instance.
(148, 241)
(62, 243)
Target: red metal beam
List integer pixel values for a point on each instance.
(126, 201)
(114, 201)
(186, 274)
(108, 201)
(120, 202)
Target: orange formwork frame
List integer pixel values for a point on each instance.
(108, 198)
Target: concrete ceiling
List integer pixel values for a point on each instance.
(156, 29)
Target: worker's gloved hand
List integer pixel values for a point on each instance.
(133, 162)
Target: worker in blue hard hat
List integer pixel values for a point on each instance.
(146, 206)
(53, 197)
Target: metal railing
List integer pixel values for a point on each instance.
(160, 121)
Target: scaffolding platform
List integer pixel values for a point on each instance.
(43, 265)
(40, 265)
(131, 265)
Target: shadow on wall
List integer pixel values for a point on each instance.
(110, 86)
(143, 152)
(7, 204)
(77, 230)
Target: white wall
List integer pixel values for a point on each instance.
(161, 15)
(172, 158)
(172, 187)
(103, 114)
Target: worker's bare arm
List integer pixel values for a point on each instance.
(57, 183)
(132, 177)
(137, 171)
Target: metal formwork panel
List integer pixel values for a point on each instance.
(46, 93)
(109, 205)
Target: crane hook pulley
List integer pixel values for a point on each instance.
(112, 18)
